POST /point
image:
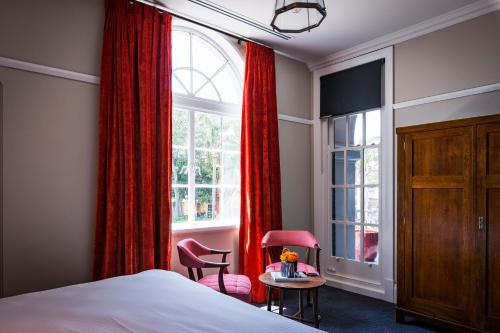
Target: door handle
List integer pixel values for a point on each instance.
(481, 223)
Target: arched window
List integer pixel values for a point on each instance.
(201, 68)
(207, 89)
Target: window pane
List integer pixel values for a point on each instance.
(373, 127)
(339, 132)
(180, 204)
(207, 203)
(338, 204)
(207, 168)
(338, 234)
(371, 166)
(228, 86)
(177, 87)
(181, 50)
(371, 244)
(206, 58)
(180, 126)
(208, 92)
(198, 82)
(231, 169)
(184, 78)
(371, 205)
(356, 129)
(231, 203)
(231, 133)
(354, 242)
(179, 166)
(207, 131)
(338, 168)
(354, 204)
(354, 167)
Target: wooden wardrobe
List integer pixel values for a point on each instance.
(448, 231)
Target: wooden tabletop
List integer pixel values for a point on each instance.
(314, 282)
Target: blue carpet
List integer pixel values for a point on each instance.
(342, 311)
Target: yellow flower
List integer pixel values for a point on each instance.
(289, 256)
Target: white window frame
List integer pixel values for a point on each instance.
(362, 186)
(382, 286)
(192, 104)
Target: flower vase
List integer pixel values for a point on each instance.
(288, 269)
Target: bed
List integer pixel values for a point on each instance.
(151, 301)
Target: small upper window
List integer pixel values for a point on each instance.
(202, 69)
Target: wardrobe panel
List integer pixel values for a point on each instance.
(439, 262)
(493, 150)
(493, 220)
(439, 156)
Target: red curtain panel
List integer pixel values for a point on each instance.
(133, 228)
(260, 163)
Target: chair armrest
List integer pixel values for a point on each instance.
(210, 264)
(214, 251)
(224, 256)
(222, 269)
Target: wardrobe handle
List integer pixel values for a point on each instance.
(480, 224)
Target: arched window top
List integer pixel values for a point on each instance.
(202, 68)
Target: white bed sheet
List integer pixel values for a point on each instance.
(151, 301)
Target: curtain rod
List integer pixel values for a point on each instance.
(205, 25)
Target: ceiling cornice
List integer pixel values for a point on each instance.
(437, 23)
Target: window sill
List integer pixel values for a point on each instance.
(183, 228)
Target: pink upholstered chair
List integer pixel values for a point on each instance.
(238, 286)
(300, 238)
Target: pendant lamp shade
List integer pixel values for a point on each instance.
(298, 16)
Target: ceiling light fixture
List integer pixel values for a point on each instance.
(298, 16)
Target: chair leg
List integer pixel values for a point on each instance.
(301, 304)
(269, 298)
(317, 317)
(282, 296)
(309, 303)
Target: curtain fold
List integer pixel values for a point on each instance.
(260, 164)
(133, 225)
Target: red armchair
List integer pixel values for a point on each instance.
(300, 238)
(238, 286)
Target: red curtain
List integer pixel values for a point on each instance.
(133, 229)
(260, 164)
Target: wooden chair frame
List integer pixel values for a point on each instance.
(209, 264)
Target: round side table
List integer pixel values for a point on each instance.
(312, 285)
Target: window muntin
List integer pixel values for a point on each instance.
(355, 186)
(200, 68)
(206, 132)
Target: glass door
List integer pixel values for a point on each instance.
(354, 191)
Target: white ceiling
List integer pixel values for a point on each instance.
(348, 22)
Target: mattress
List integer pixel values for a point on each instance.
(151, 301)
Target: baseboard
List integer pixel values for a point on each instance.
(438, 322)
(361, 289)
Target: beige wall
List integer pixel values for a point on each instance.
(59, 33)
(49, 180)
(462, 56)
(293, 89)
(50, 146)
(49, 142)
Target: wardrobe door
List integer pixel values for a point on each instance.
(439, 228)
(488, 219)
